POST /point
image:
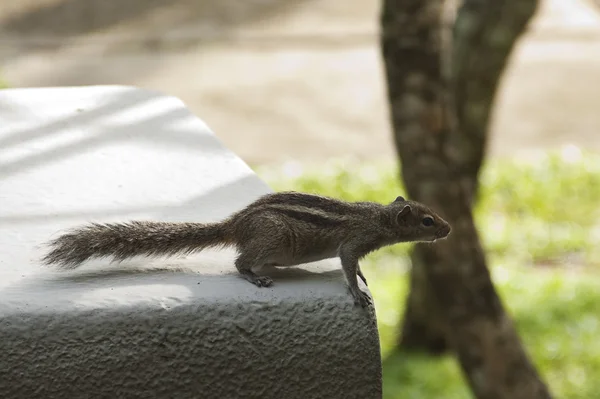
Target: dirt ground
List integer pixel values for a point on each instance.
(300, 79)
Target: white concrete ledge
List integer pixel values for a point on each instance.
(168, 328)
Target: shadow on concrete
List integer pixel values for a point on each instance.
(72, 284)
(118, 103)
(164, 212)
(118, 273)
(158, 128)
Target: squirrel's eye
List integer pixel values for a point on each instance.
(427, 221)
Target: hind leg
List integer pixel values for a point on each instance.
(268, 244)
(259, 281)
(258, 254)
(245, 262)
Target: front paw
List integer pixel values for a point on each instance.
(361, 298)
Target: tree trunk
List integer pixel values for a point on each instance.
(411, 47)
(485, 33)
(440, 131)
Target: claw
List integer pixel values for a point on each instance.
(361, 298)
(263, 281)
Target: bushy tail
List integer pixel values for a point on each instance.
(126, 240)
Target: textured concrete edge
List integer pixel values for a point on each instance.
(317, 348)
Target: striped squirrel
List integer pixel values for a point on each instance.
(278, 229)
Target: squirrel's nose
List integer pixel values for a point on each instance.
(444, 231)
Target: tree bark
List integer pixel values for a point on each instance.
(485, 33)
(410, 40)
(411, 47)
(440, 128)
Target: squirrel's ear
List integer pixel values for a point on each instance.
(403, 213)
(399, 199)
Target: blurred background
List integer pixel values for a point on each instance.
(297, 88)
(294, 79)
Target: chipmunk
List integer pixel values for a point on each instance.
(278, 229)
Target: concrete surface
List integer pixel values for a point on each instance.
(282, 79)
(167, 328)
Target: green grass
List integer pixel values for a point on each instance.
(555, 313)
(539, 221)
